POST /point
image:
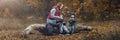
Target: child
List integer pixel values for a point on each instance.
(72, 22)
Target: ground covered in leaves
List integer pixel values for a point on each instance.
(107, 30)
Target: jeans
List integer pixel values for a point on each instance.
(63, 29)
(49, 29)
(72, 28)
(49, 26)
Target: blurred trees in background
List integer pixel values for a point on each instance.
(85, 10)
(96, 9)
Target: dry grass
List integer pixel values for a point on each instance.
(13, 24)
(10, 30)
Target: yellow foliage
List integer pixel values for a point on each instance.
(78, 10)
(6, 12)
(33, 3)
(75, 3)
(30, 17)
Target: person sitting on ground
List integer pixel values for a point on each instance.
(54, 16)
(72, 22)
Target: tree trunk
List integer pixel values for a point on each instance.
(46, 9)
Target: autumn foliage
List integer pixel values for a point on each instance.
(85, 10)
(102, 15)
